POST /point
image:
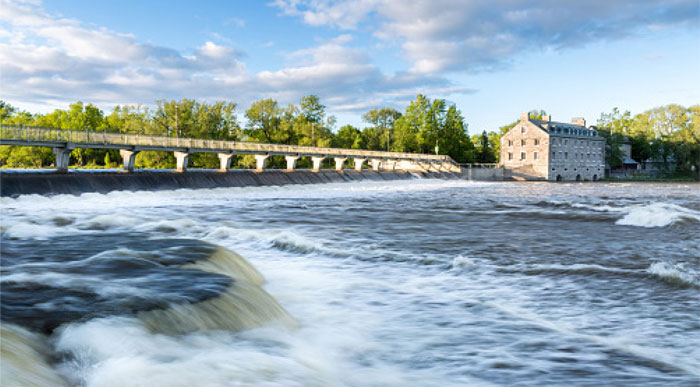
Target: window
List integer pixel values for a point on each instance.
(523, 130)
(554, 155)
(554, 141)
(566, 142)
(522, 155)
(522, 142)
(534, 156)
(510, 142)
(537, 141)
(566, 155)
(510, 156)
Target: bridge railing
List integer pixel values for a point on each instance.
(49, 135)
(479, 165)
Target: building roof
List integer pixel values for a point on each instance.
(565, 129)
(629, 160)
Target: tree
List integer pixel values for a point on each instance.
(346, 137)
(427, 123)
(263, 121)
(409, 125)
(383, 120)
(6, 111)
(129, 119)
(314, 113)
(175, 118)
(485, 154)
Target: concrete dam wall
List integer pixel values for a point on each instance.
(15, 184)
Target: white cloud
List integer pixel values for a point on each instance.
(459, 35)
(51, 61)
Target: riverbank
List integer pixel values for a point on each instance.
(15, 184)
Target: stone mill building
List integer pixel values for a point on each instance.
(557, 151)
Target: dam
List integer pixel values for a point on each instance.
(366, 165)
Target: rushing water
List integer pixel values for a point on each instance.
(407, 283)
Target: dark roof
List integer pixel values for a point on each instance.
(629, 160)
(564, 128)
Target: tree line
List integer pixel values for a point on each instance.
(426, 126)
(668, 134)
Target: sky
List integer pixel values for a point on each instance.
(492, 58)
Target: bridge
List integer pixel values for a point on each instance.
(64, 141)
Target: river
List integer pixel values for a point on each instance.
(422, 282)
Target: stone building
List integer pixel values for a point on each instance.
(548, 150)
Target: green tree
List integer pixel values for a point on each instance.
(485, 153)
(383, 120)
(428, 123)
(346, 137)
(129, 119)
(263, 121)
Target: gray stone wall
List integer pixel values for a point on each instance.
(525, 150)
(576, 158)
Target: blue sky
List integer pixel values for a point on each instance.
(492, 58)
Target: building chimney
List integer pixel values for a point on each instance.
(524, 116)
(547, 118)
(579, 121)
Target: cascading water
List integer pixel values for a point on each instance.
(372, 283)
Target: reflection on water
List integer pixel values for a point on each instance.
(419, 282)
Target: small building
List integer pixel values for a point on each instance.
(629, 165)
(556, 151)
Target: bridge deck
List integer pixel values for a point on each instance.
(57, 138)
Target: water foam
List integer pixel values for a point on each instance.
(26, 230)
(76, 281)
(282, 239)
(678, 273)
(657, 215)
(462, 261)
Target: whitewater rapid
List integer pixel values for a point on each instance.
(420, 282)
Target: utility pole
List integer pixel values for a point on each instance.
(177, 120)
(387, 139)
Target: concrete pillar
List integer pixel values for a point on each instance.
(261, 162)
(225, 161)
(358, 164)
(376, 164)
(291, 162)
(128, 159)
(182, 159)
(339, 161)
(389, 165)
(316, 160)
(62, 158)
